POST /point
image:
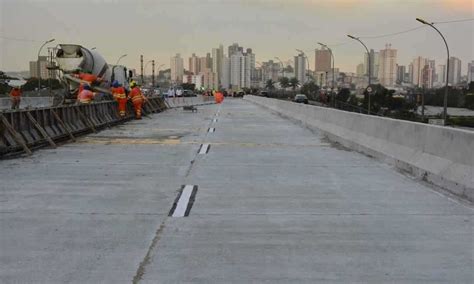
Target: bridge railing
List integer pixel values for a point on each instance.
(21, 131)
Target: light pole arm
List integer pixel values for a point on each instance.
(118, 60)
(39, 51)
(445, 43)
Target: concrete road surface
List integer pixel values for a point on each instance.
(273, 203)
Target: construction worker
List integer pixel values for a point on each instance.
(218, 97)
(88, 78)
(86, 95)
(15, 96)
(118, 92)
(137, 99)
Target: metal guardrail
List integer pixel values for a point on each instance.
(21, 131)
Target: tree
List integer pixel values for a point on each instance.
(343, 95)
(294, 83)
(310, 89)
(284, 82)
(270, 84)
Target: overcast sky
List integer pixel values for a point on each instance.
(158, 29)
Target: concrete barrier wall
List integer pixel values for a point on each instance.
(439, 155)
(5, 103)
(187, 101)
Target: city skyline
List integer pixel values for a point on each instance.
(256, 24)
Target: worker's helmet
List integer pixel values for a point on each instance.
(87, 87)
(133, 84)
(115, 84)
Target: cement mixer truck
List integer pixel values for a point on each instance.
(71, 58)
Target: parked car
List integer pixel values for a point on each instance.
(188, 93)
(240, 94)
(300, 98)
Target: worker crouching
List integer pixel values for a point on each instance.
(118, 92)
(86, 96)
(137, 99)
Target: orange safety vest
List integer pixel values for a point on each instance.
(15, 94)
(136, 95)
(87, 77)
(85, 97)
(118, 93)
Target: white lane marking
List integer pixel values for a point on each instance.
(211, 130)
(183, 201)
(204, 148)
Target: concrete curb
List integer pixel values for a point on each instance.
(438, 155)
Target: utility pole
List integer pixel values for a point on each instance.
(153, 73)
(141, 67)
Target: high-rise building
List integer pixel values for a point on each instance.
(322, 60)
(470, 72)
(401, 70)
(177, 69)
(374, 63)
(271, 71)
(194, 64)
(208, 61)
(209, 79)
(454, 71)
(417, 71)
(300, 68)
(217, 57)
(202, 64)
(234, 48)
(241, 67)
(225, 78)
(441, 74)
(387, 66)
(205, 63)
(249, 68)
(410, 73)
(43, 63)
(427, 80)
(360, 70)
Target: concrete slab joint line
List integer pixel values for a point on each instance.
(204, 149)
(184, 201)
(147, 259)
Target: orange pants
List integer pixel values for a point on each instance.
(137, 104)
(122, 107)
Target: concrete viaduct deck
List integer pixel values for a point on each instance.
(273, 203)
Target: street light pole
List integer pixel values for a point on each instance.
(118, 60)
(445, 102)
(144, 69)
(153, 73)
(370, 67)
(333, 77)
(38, 63)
